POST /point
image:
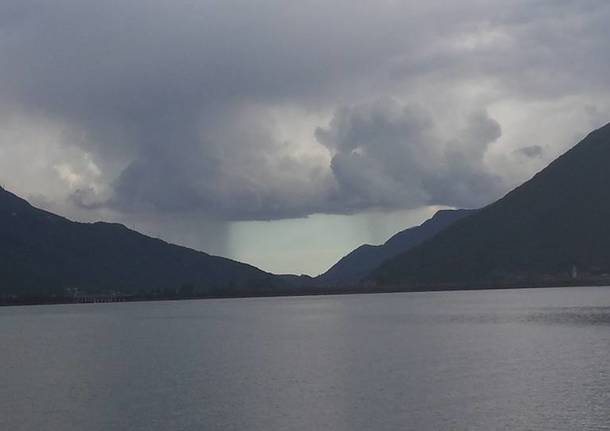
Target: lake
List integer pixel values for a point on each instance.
(472, 360)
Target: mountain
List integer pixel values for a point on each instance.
(42, 254)
(360, 262)
(552, 230)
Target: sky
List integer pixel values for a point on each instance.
(285, 134)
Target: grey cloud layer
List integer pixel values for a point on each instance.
(386, 154)
(172, 100)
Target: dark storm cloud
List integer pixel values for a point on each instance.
(162, 88)
(386, 154)
(172, 101)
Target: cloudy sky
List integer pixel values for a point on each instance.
(286, 133)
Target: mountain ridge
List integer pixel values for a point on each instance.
(551, 229)
(44, 252)
(361, 261)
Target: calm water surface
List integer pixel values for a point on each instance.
(486, 360)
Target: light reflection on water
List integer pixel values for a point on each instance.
(479, 360)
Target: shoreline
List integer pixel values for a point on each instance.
(286, 294)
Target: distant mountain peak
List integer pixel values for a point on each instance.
(535, 235)
(41, 252)
(364, 259)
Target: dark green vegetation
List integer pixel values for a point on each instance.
(552, 230)
(360, 262)
(47, 257)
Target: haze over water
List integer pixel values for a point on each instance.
(478, 360)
